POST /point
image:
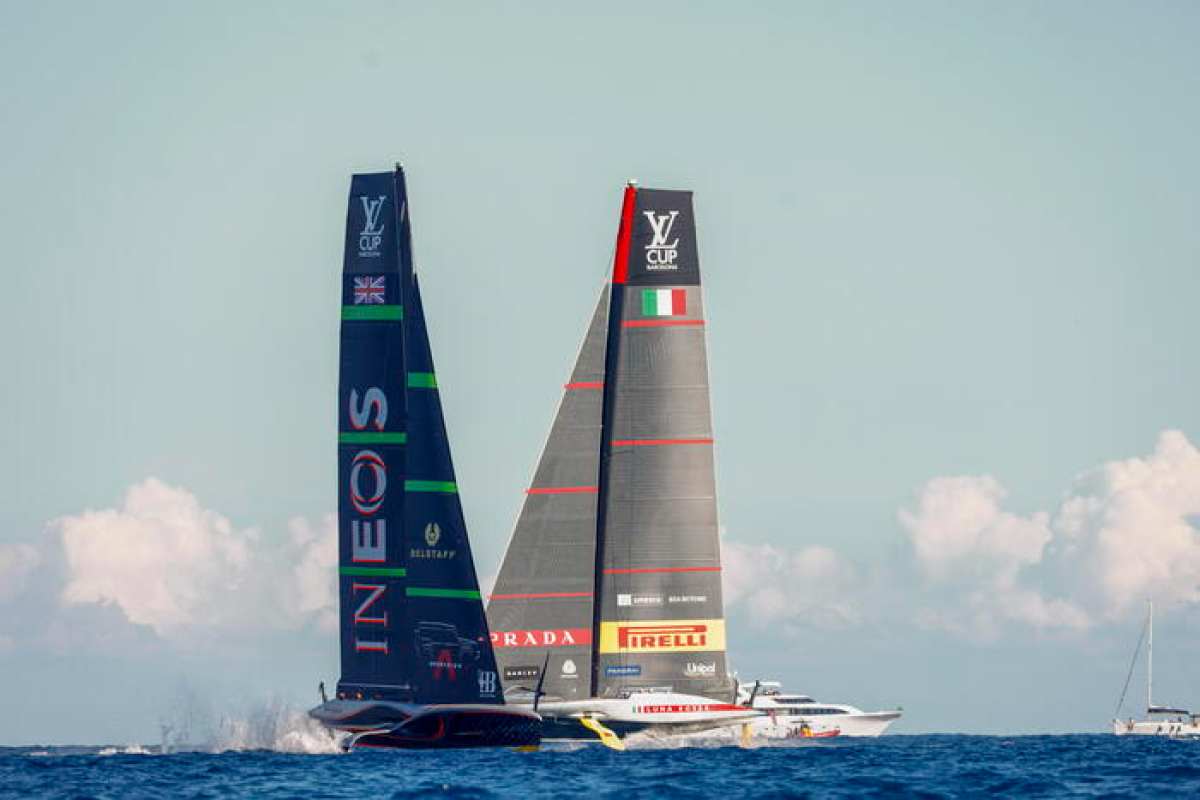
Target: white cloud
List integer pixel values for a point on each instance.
(812, 586)
(176, 567)
(1126, 532)
(1131, 527)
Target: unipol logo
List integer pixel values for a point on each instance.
(371, 236)
(662, 250)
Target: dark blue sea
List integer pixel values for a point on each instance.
(892, 766)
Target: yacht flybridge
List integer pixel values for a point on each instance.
(1161, 720)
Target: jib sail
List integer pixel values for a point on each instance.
(454, 662)
(659, 619)
(542, 602)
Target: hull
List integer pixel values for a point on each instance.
(432, 727)
(854, 725)
(662, 714)
(1185, 729)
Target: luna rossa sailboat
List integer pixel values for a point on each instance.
(609, 595)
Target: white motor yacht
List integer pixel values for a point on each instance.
(794, 716)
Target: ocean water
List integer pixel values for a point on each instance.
(891, 766)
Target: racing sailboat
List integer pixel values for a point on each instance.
(418, 669)
(609, 595)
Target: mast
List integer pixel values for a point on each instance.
(1150, 655)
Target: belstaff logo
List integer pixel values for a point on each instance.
(569, 669)
(433, 535)
(371, 236)
(661, 253)
(487, 683)
(662, 636)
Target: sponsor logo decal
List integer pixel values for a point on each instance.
(369, 290)
(487, 683)
(687, 708)
(687, 598)
(522, 673)
(569, 669)
(623, 671)
(662, 636)
(662, 250)
(639, 600)
(700, 669)
(371, 236)
(443, 649)
(560, 637)
(433, 534)
(371, 461)
(445, 664)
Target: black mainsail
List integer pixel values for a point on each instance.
(418, 668)
(617, 543)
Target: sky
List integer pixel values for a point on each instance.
(950, 254)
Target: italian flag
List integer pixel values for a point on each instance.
(664, 302)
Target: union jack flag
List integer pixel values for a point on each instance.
(368, 291)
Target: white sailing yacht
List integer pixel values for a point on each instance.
(1161, 720)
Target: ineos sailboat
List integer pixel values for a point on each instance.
(609, 595)
(1161, 720)
(418, 669)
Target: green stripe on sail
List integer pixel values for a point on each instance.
(446, 487)
(367, 437)
(372, 312)
(422, 380)
(375, 572)
(453, 594)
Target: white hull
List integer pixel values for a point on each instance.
(1176, 728)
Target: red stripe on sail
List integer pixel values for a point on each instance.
(563, 490)
(644, 570)
(655, 442)
(661, 323)
(538, 595)
(584, 385)
(621, 265)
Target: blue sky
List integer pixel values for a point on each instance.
(950, 254)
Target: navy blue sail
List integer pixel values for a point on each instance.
(454, 658)
(376, 655)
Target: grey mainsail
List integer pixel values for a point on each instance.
(541, 609)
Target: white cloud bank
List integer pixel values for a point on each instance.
(1126, 531)
(179, 568)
